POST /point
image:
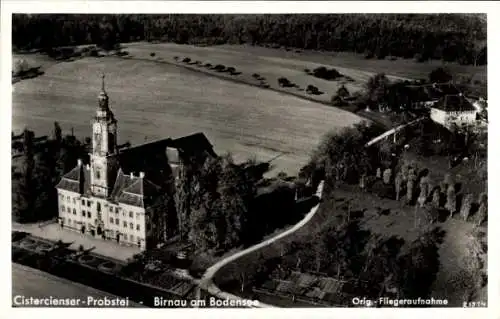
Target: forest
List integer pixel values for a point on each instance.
(449, 37)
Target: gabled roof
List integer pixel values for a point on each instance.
(193, 143)
(454, 103)
(77, 180)
(133, 191)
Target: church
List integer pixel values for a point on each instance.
(110, 197)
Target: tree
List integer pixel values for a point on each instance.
(57, 134)
(436, 198)
(409, 190)
(387, 176)
(398, 181)
(440, 75)
(425, 186)
(342, 92)
(24, 190)
(481, 214)
(377, 88)
(451, 200)
(466, 206)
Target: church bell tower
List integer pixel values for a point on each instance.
(104, 147)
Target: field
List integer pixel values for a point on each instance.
(152, 101)
(272, 64)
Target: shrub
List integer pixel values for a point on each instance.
(436, 198)
(284, 82)
(451, 200)
(176, 58)
(256, 76)
(311, 89)
(326, 74)
(481, 214)
(398, 183)
(152, 54)
(231, 69)
(409, 190)
(208, 65)
(466, 207)
(219, 67)
(186, 60)
(387, 176)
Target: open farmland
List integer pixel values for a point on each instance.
(272, 64)
(152, 101)
(269, 67)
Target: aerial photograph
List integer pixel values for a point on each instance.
(249, 160)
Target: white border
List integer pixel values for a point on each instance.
(19, 6)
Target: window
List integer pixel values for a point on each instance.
(83, 202)
(138, 215)
(83, 213)
(125, 236)
(137, 227)
(89, 203)
(116, 210)
(131, 237)
(131, 214)
(89, 215)
(131, 225)
(74, 211)
(98, 207)
(74, 201)
(124, 224)
(68, 199)
(111, 234)
(63, 209)
(69, 221)
(117, 221)
(111, 220)
(110, 209)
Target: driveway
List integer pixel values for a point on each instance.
(53, 231)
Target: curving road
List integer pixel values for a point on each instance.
(206, 281)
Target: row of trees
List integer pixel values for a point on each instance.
(36, 171)
(450, 37)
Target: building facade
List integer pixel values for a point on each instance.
(111, 197)
(454, 110)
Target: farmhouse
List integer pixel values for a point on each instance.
(428, 95)
(453, 110)
(111, 197)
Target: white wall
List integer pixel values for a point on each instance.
(448, 118)
(129, 235)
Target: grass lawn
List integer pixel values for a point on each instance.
(152, 100)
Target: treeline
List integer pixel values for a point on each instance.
(449, 37)
(37, 169)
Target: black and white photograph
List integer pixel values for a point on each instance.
(244, 160)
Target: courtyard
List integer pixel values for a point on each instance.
(54, 232)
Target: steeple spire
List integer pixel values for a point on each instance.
(102, 86)
(103, 96)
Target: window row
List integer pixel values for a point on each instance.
(126, 237)
(124, 214)
(68, 210)
(116, 221)
(88, 203)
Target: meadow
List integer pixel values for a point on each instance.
(155, 100)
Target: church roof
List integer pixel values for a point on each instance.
(150, 158)
(77, 180)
